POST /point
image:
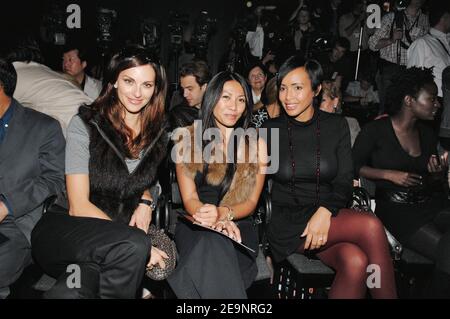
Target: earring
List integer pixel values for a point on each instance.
(115, 85)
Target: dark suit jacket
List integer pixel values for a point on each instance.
(31, 164)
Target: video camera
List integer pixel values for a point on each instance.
(53, 27)
(105, 21)
(176, 23)
(151, 34)
(204, 28)
(399, 20)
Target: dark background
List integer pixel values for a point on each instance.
(26, 17)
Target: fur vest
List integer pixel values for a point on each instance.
(244, 179)
(112, 188)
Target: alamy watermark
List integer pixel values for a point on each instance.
(207, 146)
(73, 20)
(374, 16)
(74, 279)
(374, 279)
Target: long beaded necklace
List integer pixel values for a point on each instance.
(291, 151)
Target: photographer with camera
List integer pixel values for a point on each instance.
(398, 30)
(204, 28)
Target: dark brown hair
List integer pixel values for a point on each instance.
(152, 114)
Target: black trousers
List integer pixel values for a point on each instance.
(110, 257)
(433, 241)
(15, 254)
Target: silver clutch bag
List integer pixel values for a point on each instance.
(161, 241)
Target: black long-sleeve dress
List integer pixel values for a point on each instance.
(377, 146)
(326, 136)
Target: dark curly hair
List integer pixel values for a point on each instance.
(408, 82)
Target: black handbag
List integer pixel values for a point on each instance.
(161, 241)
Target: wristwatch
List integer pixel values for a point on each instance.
(148, 202)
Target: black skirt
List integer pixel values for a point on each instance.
(210, 265)
(286, 225)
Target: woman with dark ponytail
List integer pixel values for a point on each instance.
(313, 186)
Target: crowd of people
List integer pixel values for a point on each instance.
(98, 146)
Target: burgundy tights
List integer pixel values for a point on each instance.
(356, 240)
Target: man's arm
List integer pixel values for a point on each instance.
(382, 38)
(3, 211)
(31, 193)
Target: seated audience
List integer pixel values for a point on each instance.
(194, 78)
(74, 64)
(256, 78)
(269, 108)
(40, 88)
(331, 103)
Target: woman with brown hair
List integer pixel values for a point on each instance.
(331, 103)
(113, 150)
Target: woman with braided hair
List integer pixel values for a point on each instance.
(399, 153)
(314, 184)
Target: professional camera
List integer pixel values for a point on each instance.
(400, 5)
(176, 24)
(322, 43)
(204, 27)
(53, 27)
(399, 21)
(105, 21)
(151, 34)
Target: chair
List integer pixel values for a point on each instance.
(34, 282)
(298, 276)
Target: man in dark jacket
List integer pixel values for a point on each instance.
(31, 169)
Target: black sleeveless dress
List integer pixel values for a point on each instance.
(211, 265)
